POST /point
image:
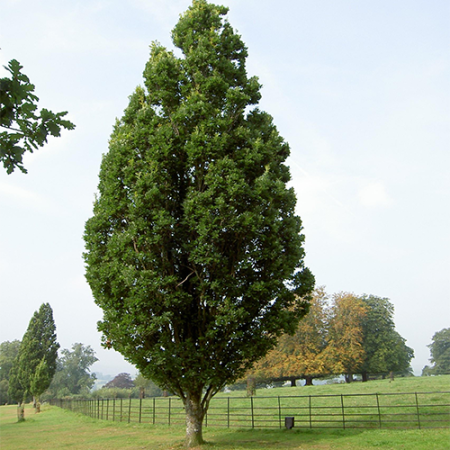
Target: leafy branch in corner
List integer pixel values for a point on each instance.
(22, 127)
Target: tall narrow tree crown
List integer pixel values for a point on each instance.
(194, 250)
(35, 364)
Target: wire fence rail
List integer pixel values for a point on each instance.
(343, 411)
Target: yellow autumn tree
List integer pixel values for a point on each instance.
(302, 355)
(345, 352)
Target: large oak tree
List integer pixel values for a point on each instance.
(440, 353)
(345, 334)
(384, 349)
(194, 251)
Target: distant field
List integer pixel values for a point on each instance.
(57, 429)
(410, 384)
(402, 404)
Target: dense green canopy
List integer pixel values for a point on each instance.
(73, 371)
(385, 350)
(194, 250)
(440, 353)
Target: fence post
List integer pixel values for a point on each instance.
(169, 409)
(154, 410)
(279, 411)
(417, 409)
(140, 409)
(343, 411)
(310, 413)
(379, 411)
(253, 416)
(114, 409)
(98, 408)
(129, 410)
(107, 408)
(121, 409)
(228, 412)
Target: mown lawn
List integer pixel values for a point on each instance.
(55, 429)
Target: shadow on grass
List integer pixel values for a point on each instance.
(274, 439)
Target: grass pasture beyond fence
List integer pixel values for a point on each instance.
(56, 429)
(404, 410)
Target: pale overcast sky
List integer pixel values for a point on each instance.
(359, 89)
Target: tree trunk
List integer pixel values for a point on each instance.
(293, 382)
(308, 381)
(20, 412)
(365, 376)
(194, 422)
(251, 387)
(348, 377)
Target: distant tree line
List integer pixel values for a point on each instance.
(123, 386)
(342, 335)
(440, 354)
(72, 377)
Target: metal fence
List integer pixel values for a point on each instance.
(387, 411)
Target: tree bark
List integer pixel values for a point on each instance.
(365, 376)
(20, 412)
(293, 382)
(194, 422)
(308, 381)
(251, 387)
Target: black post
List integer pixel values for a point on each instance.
(343, 411)
(169, 409)
(417, 409)
(379, 411)
(310, 413)
(154, 410)
(279, 411)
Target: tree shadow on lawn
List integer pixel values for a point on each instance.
(276, 439)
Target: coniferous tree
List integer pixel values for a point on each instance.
(35, 364)
(194, 251)
(8, 353)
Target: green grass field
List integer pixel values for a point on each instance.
(54, 428)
